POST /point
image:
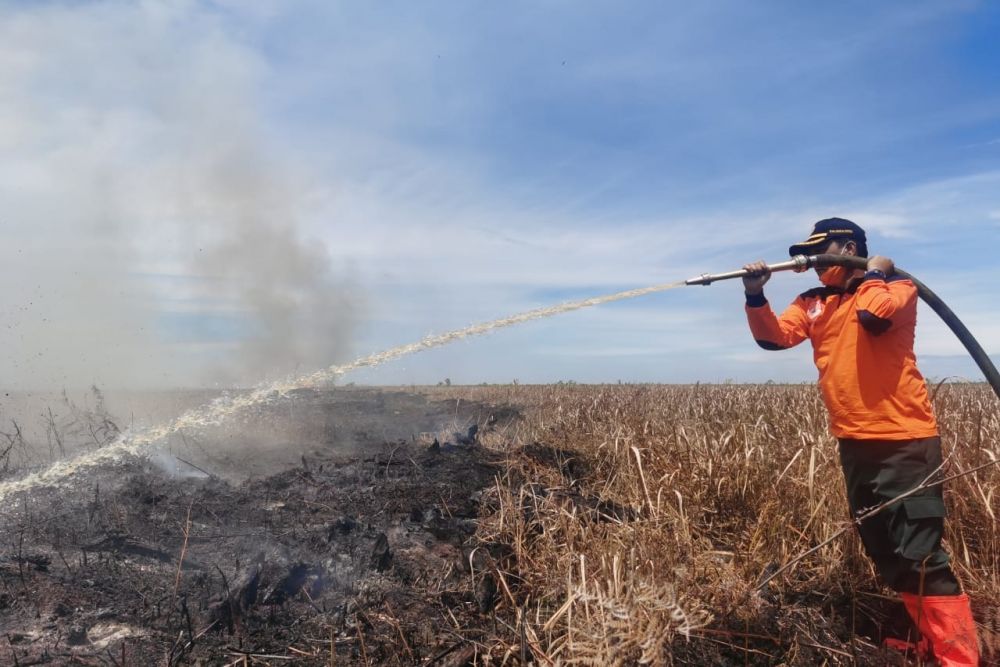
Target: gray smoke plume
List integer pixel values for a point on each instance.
(291, 310)
(153, 233)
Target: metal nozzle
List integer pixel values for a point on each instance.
(797, 263)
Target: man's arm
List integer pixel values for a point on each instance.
(777, 333)
(772, 332)
(881, 304)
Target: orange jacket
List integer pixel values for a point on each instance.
(863, 347)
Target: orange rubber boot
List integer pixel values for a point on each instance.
(946, 620)
(920, 649)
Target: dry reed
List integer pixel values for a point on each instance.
(641, 520)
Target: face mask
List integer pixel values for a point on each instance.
(835, 276)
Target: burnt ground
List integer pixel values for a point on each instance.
(347, 540)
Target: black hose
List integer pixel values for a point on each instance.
(976, 350)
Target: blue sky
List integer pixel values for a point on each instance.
(457, 162)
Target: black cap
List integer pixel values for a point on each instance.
(831, 228)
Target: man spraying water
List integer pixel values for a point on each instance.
(861, 325)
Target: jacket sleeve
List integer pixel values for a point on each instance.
(777, 333)
(882, 305)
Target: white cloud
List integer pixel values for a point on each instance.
(922, 210)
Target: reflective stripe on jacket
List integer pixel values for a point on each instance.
(863, 347)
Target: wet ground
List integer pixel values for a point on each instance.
(326, 528)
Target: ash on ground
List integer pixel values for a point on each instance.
(350, 542)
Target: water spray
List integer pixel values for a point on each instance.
(129, 445)
(801, 263)
(140, 444)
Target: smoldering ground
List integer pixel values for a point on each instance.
(105, 569)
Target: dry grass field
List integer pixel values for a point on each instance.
(574, 525)
(633, 525)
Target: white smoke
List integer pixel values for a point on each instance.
(150, 224)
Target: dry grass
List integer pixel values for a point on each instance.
(638, 521)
